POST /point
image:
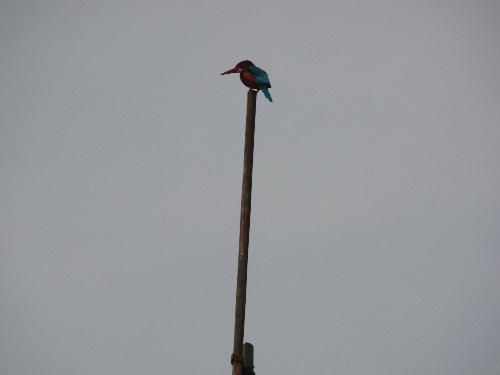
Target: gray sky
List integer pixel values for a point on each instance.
(375, 241)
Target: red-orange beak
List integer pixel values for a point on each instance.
(233, 70)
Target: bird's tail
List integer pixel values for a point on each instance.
(267, 94)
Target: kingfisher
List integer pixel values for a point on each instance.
(253, 77)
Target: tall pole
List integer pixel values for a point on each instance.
(246, 203)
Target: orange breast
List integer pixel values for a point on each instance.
(247, 79)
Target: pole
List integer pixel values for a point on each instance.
(246, 201)
(248, 359)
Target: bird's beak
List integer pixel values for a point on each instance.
(233, 70)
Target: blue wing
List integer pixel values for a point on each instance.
(260, 76)
(267, 94)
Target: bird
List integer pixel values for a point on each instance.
(252, 76)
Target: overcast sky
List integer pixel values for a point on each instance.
(375, 239)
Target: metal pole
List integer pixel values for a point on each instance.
(246, 200)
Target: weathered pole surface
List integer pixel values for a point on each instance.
(246, 203)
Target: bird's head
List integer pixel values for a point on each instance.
(242, 65)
